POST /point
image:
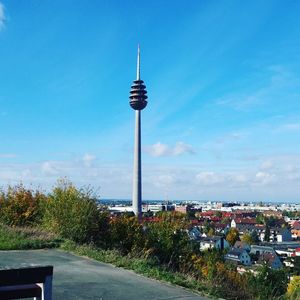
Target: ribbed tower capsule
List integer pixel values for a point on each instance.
(138, 90)
(137, 102)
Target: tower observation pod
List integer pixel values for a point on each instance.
(138, 101)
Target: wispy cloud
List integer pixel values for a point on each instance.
(7, 155)
(159, 149)
(276, 178)
(278, 80)
(290, 127)
(2, 16)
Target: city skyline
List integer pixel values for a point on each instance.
(224, 120)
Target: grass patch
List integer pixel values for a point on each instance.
(143, 266)
(23, 238)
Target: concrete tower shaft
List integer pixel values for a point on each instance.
(137, 102)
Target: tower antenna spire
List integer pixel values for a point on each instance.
(138, 64)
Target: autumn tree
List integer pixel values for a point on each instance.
(20, 206)
(232, 236)
(250, 238)
(247, 238)
(293, 290)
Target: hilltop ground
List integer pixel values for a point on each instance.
(81, 278)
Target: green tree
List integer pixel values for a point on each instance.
(218, 214)
(260, 219)
(296, 263)
(254, 236)
(267, 234)
(226, 220)
(72, 213)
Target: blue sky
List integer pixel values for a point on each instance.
(223, 79)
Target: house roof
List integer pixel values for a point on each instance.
(296, 225)
(269, 258)
(241, 245)
(264, 249)
(245, 227)
(211, 239)
(279, 230)
(245, 221)
(235, 253)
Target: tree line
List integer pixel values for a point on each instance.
(74, 214)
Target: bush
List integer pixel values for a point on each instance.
(72, 213)
(126, 234)
(21, 207)
(293, 291)
(169, 242)
(269, 283)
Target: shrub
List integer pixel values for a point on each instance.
(126, 234)
(169, 242)
(293, 291)
(20, 206)
(269, 283)
(72, 213)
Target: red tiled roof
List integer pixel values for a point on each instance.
(245, 221)
(296, 225)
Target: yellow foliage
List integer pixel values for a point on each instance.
(293, 290)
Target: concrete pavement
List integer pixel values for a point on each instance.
(82, 278)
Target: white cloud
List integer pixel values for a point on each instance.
(264, 178)
(266, 165)
(49, 168)
(160, 149)
(181, 148)
(209, 178)
(183, 182)
(88, 159)
(2, 16)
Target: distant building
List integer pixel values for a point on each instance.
(242, 221)
(257, 249)
(181, 208)
(210, 242)
(238, 256)
(242, 245)
(280, 235)
(194, 233)
(272, 260)
(157, 207)
(272, 213)
(295, 230)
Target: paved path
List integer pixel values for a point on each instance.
(81, 278)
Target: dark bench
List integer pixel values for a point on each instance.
(26, 282)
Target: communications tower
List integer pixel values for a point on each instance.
(138, 101)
